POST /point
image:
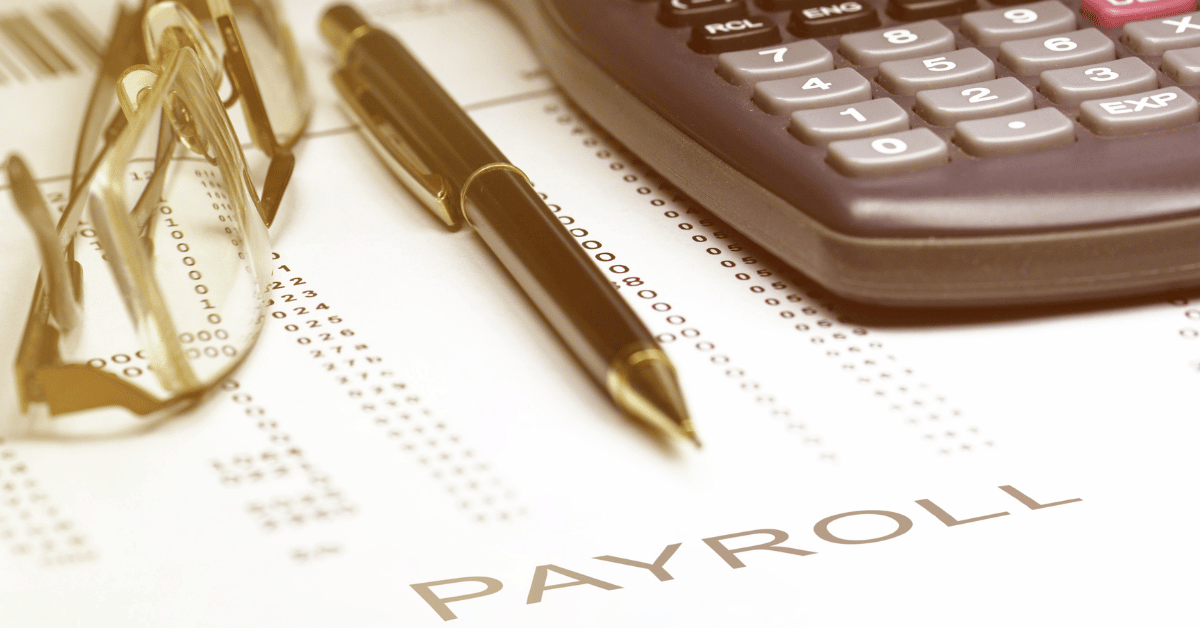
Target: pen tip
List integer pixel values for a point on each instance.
(645, 386)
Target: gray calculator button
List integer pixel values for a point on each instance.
(1139, 113)
(944, 107)
(900, 41)
(1154, 37)
(1014, 134)
(894, 153)
(824, 89)
(910, 76)
(873, 117)
(994, 27)
(797, 58)
(1038, 54)
(1182, 65)
(1071, 86)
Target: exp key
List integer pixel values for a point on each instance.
(1139, 113)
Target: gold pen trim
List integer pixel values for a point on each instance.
(429, 187)
(659, 407)
(480, 171)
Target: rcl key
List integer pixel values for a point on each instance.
(739, 34)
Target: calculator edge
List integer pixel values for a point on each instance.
(950, 271)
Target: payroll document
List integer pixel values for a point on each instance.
(409, 444)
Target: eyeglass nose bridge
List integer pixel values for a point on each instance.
(135, 85)
(168, 26)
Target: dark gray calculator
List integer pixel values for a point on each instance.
(912, 152)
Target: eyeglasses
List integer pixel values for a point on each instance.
(173, 209)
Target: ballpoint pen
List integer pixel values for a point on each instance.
(431, 145)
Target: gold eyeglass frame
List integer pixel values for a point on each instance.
(184, 71)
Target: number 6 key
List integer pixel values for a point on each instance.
(1038, 54)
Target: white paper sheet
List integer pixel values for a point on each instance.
(462, 441)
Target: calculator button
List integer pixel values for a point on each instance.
(1114, 13)
(780, 5)
(1154, 37)
(895, 153)
(693, 12)
(1070, 86)
(814, 18)
(740, 34)
(825, 89)
(1006, 3)
(843, 122)
(1014, 134)
(1183, 66)
(896, 42)
(747, 67)
(960, 67)
(1139, 113)
(1038, 54)
(944, 107)
(994, 27)
(913, 10)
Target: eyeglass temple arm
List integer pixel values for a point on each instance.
(245, 88)
(60, 271)
(43, 378)
(124, 49)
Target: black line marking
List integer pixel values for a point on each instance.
(80, 34)
(16, 32)
(505, 100)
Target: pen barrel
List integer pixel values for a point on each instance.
(553, 270)
(435, 128)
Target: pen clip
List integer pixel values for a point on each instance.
(432, 189)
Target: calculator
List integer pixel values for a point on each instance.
(912, 152)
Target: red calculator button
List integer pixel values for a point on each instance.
(1114, 13)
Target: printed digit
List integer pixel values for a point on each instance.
(1101, 74)
(900, 36)
(776, 52)
(1020, 16)
(853, 113)
(978, 94)
(889, 146)
(1060, 44)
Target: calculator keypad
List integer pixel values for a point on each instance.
(894, 153)
(1139, 113)
(1038, 54)
(694, 12)
(747, 67)
(862, 119)
(1015, 134)
(737, 34)
(944, 107)
(817, 19)
(1183, 66)
(913, 10)
(1113, 13)
(910, 76)
(996, 26)
(1154, 37)
(909, 91)
(894, 43)
(1071, 86)
(825, 89)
